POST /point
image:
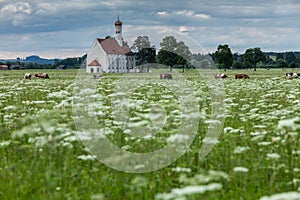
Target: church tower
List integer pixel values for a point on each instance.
(118, 27)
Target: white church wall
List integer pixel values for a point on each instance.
(96, 53)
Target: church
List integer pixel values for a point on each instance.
(110, 55)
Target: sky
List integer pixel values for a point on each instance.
(60, 29)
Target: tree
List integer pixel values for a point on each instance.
(169, 43)
(144, 53)
(224, 56)
(145, 56)
(254, 56)
(173, 52)
(56, 62)
(167, 58)
(183, 51)
(292, 65)
(238, 65)
(281, 64)
(290, 57)
(237, 57)
(279, 56)
(140, 43)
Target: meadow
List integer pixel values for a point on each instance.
(255, 157)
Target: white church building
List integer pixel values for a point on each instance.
(110, 55)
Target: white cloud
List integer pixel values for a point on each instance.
(45, 9)
(202, 16)
(183, 29)
(19, 7)
(163, 13)
(184, 13)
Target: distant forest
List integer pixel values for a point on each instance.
(68, 63)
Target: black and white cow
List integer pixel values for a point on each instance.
(292, 75)
(27, 76)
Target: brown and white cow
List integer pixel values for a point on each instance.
(97, 76)
(241, 76)
(27, 76)
(42, 75)
(166, 76)
(220, 76)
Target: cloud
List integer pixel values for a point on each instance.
(184, 13)
(16, 13)
(202, 16)
(19, 7)
(183, 29)
(161, 13)
(74, 24)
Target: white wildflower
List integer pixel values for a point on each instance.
(127, 131)
(10, 108)
(289, 123)
(283, 196)
(264, 143)
(274, 156)
(228, 129)
(189, 190)
(181, 169)
(61, 94)
(87, 157)
(276, 139)
(240, 169)
(260, 126)
(239, 149)
(196, 189)
(5, 143)
(258, 133)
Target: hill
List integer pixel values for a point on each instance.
(37, 59)
(31, 59)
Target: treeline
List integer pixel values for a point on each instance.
(175, 53)
(253, 58)
(68, 63)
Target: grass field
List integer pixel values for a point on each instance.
(256, 156)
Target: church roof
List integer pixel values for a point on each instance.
(111, 46)
(94, 63)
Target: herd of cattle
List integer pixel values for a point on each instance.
(39, 75)
(169, 76)
(237, 76)
(289, 75)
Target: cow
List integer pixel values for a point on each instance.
(241, 76)
(220, 76)
(27, 76)
(97, 76)
(292, 75)
(166, 76)
(42, 75)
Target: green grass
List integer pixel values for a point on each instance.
(40, 154)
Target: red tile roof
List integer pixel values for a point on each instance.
(3, 66)
(111, 46)
(94, 63)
